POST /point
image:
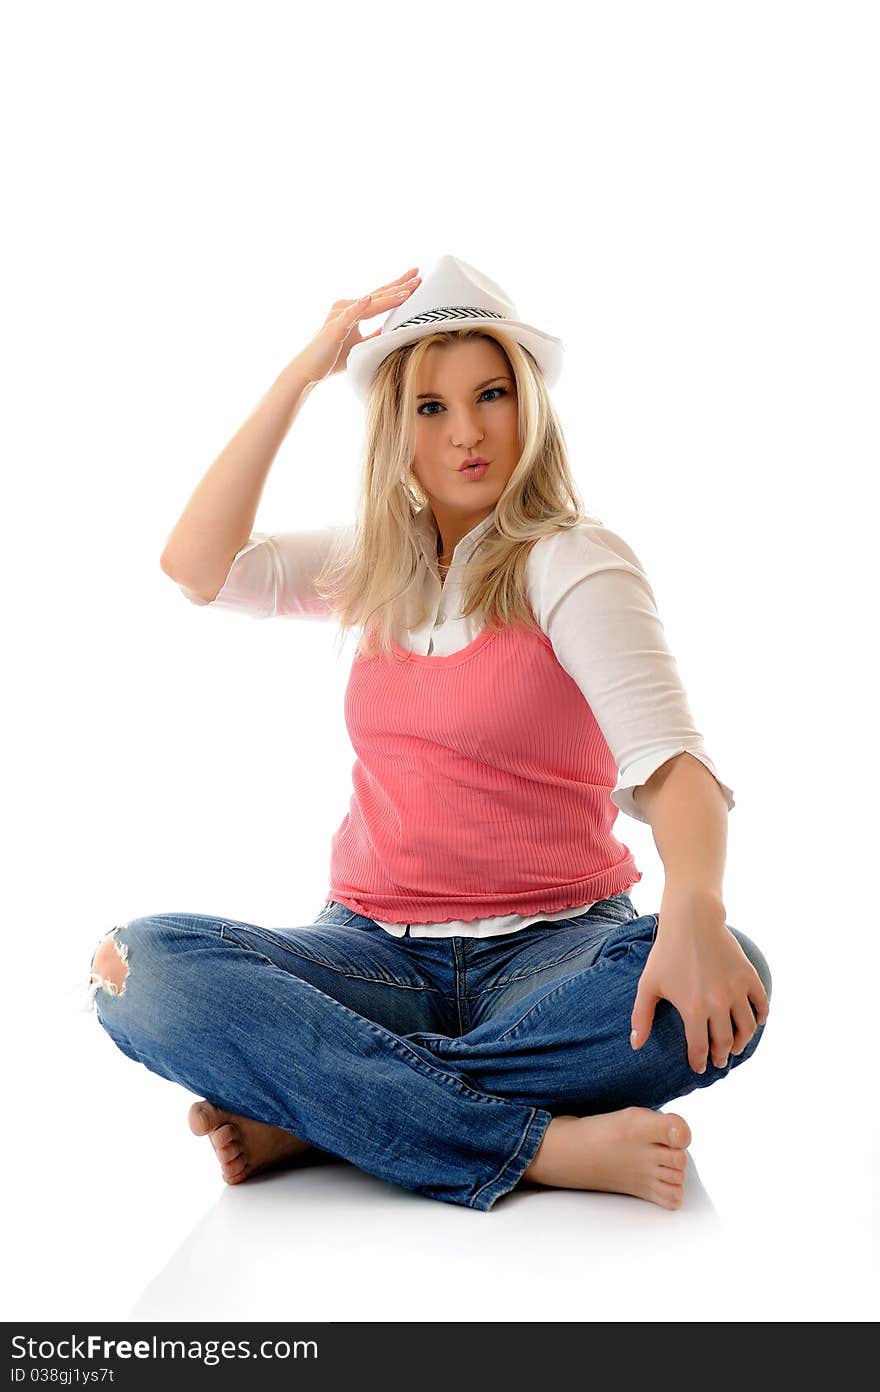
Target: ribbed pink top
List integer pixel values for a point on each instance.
(481, 786)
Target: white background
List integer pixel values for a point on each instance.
(684, 193)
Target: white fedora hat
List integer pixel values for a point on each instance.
(453, 295)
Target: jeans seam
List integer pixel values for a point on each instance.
(336, 922)
(349, 976)
(415, 1059)
(418, 1063)
(524, 976)
(557, 986)
(512, 1159)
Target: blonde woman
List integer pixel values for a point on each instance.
(478, 1003)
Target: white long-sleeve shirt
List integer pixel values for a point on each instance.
(590, 596)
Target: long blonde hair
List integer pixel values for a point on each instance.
(374, 579)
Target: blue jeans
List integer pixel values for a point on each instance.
(434, 1063)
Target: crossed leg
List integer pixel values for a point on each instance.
(243, 1147)
(624, 1149)
(633, 1150)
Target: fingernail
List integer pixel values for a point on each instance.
(634, 1038)
(674, 1133)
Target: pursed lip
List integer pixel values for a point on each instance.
(477, 459)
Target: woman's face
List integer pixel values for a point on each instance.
(466, 405)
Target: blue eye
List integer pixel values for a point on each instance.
(502, 391)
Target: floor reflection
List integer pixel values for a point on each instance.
(323, 1240)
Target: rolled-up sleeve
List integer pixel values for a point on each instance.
(593, 600)
(273, 575)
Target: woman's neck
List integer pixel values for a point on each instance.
(442, 565)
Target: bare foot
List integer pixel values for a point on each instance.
(633, 1151)
(244, 1147)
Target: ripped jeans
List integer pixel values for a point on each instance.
(434, 1063)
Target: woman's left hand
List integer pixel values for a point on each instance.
(698, 965)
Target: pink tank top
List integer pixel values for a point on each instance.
(481, 787)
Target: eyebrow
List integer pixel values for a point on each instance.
(476, 388)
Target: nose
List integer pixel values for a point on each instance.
(466, 435)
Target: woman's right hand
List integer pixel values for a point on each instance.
(328, 351)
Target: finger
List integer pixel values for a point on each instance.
(760, 1001)
(721, 1032)
(397, 287)
(379, 298)
(371, 305)
(697, 1032)
(411, 274)
(744, 1020)
(407, 275)
(642, 1018)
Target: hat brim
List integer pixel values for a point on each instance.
(364, 358)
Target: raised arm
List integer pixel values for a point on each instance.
(219, 517)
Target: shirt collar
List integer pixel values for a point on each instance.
(426, 528)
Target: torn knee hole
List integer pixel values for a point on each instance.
(110, 965)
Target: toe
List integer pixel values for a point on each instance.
(662, 1128)
(673, 1159)
(678, 1133)
(203, 1118)
(223, 1135)
(670, 1195)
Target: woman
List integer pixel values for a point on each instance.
(478, 1002)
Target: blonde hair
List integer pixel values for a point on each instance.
(375, 580)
